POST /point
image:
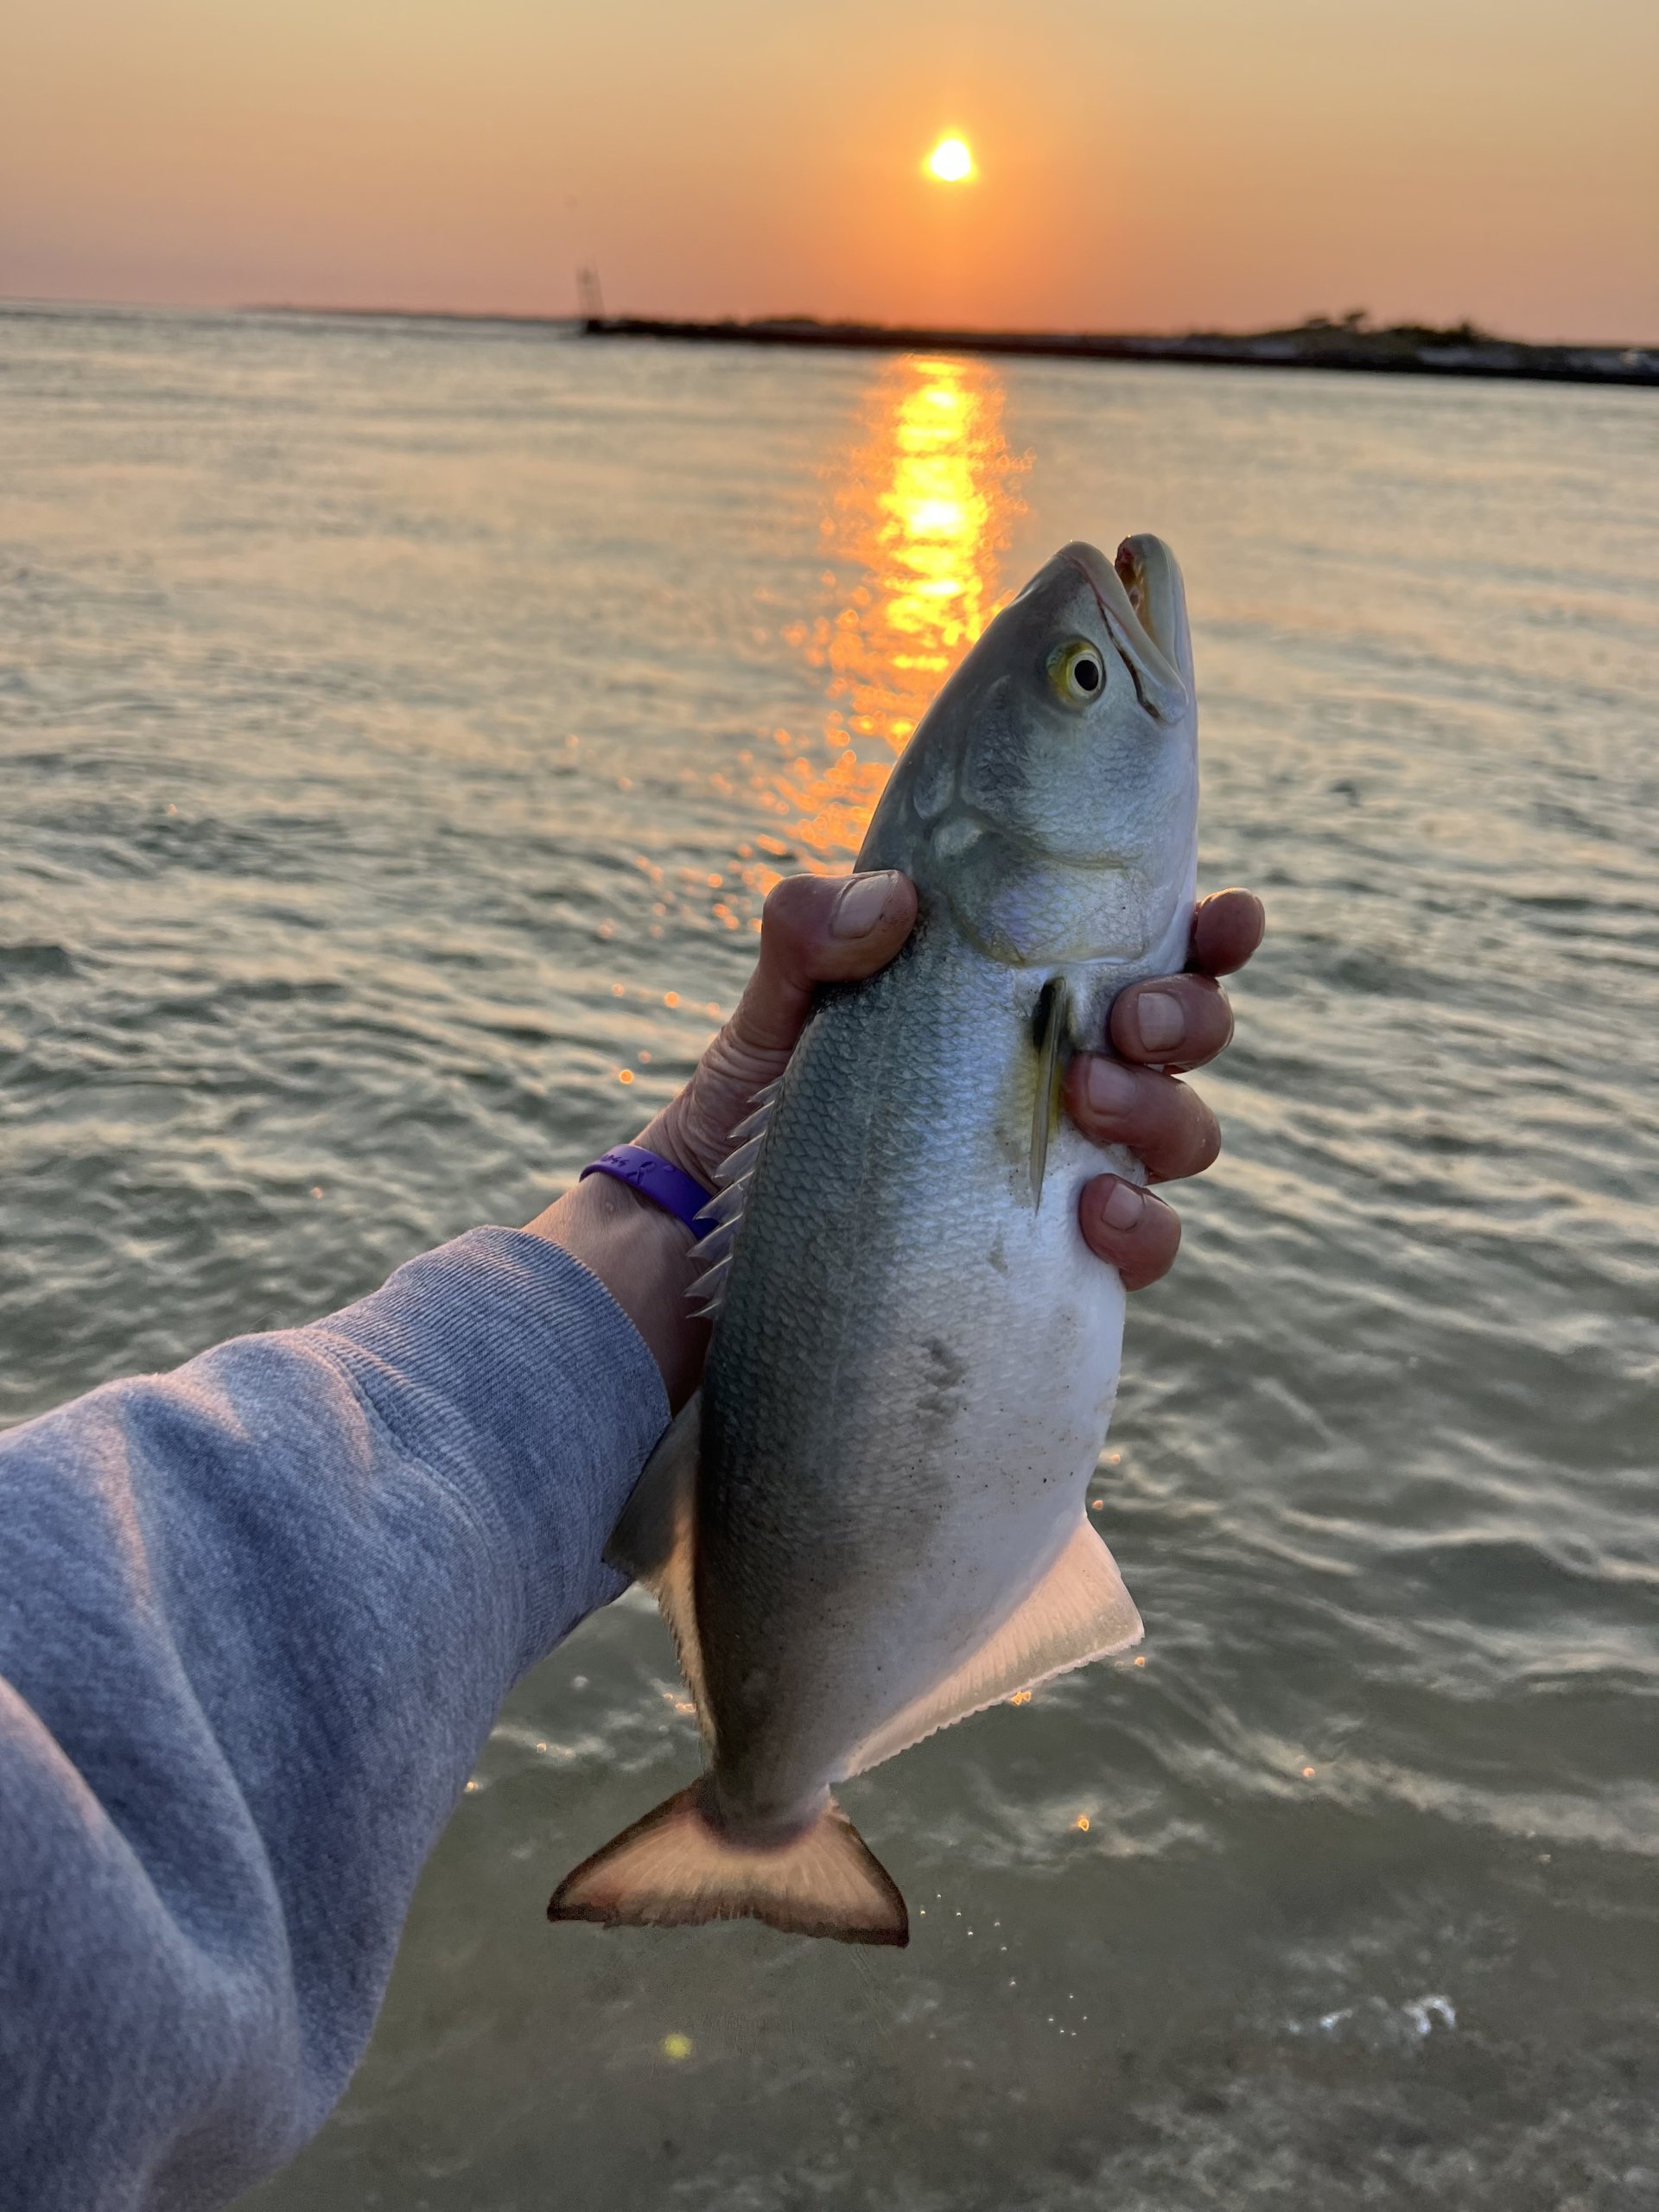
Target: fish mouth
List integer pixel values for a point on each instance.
(1147, 578)
(1143, 604)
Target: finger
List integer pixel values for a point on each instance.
(1226, 927)
(1135, 1231)
(1162, 1122)
(1173, 1021)
(818, 929)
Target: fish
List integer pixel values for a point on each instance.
(871, 1522)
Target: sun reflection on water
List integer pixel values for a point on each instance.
(919, 517)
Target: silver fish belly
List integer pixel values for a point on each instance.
(872, 1522)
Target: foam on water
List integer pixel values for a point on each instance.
(398, 726)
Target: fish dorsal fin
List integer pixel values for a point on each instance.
(1050, 1025)
(724, 1211)
(654, 1541)
(1080, 1610)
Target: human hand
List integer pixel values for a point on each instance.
(1160, 1030)
(820, 930)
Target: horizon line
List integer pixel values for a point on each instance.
(575, 320)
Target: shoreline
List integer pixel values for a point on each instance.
(1343, 348)
(1335, 346)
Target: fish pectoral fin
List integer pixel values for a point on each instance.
(1052, 1019)
(655, 1538)
(678, 1868)
(1080, 1610)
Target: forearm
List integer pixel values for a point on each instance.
(642, 1255)
(256, 1620)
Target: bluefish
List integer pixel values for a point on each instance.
(871, 1522)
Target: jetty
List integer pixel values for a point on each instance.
(1352, 344)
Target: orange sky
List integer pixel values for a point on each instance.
(1198, 161)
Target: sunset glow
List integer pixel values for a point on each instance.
(1205, 167)
(921, 516)
(950, 161)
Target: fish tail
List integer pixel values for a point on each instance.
(678, 1868)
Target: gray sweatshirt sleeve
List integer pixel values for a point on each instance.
(256, 1618)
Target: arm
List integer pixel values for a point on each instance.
(256, 1620)
(257, 1617)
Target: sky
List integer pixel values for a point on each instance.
(1191, 163)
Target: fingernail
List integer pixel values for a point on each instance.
(1109, 1087)
(862, 905)
(1124, 1207)
(1160, 1019)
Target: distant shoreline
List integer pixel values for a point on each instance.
(1350, 346)
(1409, 350)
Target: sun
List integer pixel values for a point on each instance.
(951, 161)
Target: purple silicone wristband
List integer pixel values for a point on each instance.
(656, 1179)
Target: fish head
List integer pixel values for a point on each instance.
(1049, 796)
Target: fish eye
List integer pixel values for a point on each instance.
(1077, 671)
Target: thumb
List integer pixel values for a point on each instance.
(815, 930)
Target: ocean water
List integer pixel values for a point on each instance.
(399, 726)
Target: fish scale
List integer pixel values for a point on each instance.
(870, 1522)
(893, 1299)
